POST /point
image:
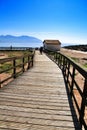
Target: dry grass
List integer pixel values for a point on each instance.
(78, 56)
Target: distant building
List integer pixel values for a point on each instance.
(54, 45)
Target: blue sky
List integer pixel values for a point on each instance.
(65, 20)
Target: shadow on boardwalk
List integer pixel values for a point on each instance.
(72, 108)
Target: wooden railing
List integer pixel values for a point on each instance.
(78, 90)
(13, 67)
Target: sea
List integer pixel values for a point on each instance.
(15, 48)
(32, 46)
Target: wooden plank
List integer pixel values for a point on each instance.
(37, 100)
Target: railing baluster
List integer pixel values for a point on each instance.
(66, 69)
(32, 59)
(0, 82)
(72, 84)
(81, 118)
(63, 69)
(56, 56)
(23, 64)
(68, 73)
(28, 62)
(14, 68)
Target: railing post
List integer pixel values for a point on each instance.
(61, 62)
(58, 59)
(72, 84)
(56, 56)
(63, 69)
(23, 64)
(68, 72)
(66, 69)
(83, 103)
(32, 59)
(64, 66)
(28, 62)
(14, 68)
(0, 82)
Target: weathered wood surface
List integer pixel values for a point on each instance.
(37, 100)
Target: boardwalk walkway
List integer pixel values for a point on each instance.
(37, 100)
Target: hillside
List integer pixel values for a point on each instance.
(21, 41)
(77, 47)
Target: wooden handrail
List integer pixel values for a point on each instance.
(24, 63)
(69, 69)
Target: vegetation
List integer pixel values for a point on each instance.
(10, 54)
(85, 65)
(5, 66)
(77, 47)
(75, 59)
(15, 53)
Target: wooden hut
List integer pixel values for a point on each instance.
(54, 45)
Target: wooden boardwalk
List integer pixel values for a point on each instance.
(37, 100)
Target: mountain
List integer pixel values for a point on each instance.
(19, 41)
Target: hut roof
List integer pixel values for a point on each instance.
(52, 42)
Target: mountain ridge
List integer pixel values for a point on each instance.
(23, 40)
